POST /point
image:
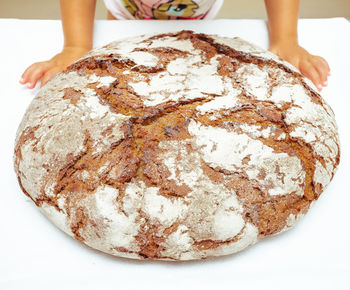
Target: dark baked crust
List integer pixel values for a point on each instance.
(160, 152)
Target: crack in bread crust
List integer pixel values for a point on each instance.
(162, 177)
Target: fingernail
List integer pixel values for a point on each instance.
(325, 83)
(21, 80)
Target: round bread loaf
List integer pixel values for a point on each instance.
(176, 146)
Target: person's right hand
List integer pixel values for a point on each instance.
(46, 70)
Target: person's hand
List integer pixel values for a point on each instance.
(46, 70)
(313, 67)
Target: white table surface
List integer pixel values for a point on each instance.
(34, 254)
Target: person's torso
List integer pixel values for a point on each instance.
(166, 9)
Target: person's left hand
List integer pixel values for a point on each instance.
(314, 67)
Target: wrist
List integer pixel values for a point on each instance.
(284, 42)
(76, 48)
(283, 39)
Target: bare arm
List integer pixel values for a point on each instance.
(283, 33)
(77, 22)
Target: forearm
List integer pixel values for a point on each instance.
(77, 22)
(282, 21)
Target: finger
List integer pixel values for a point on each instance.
(26, 73)
(326, 64)
(25, 76)
(36, 75)
(49, 75)
(307, 69)
(321, 69)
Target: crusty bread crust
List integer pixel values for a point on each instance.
(176, 146)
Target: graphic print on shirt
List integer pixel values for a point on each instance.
(175, 8)
(163, 9)
(132, 8)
